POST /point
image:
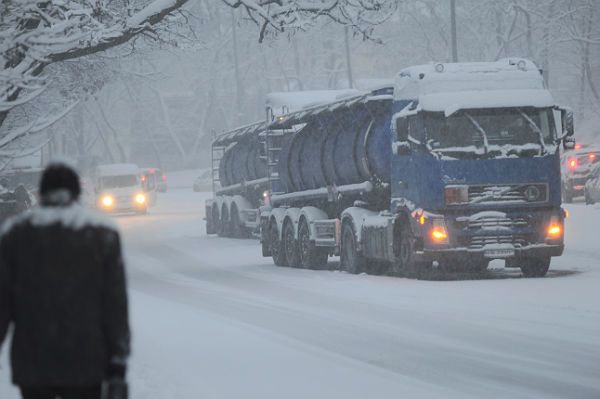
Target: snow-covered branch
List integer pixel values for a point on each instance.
(277, 16)
(35, 34)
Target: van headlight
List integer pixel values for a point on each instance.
(140, 199)
(107, 201)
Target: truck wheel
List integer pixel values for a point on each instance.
(225, 225)
(216, 221)
(290, 244)
(535, 267)
(351, 260)
(406, 262)
(277, 251)
(311, 256)
(237, 229)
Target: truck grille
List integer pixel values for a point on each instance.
(495, 222)
(478, 242)
(495, 228)
(508, 193)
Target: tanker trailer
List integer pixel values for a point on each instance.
(454, 166)
(239, 181)
(240, 172)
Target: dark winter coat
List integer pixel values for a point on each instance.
(62, 286)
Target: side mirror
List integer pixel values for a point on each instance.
(569, 143)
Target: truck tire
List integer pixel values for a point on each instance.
(225, 225)
(311, 256)
(350, 259)
(277, 250)
(211, 227)
(290, 245)
(535, 267)
(406, 262)
(216, 221)
(237, 229)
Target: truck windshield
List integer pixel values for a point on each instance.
(119, 181)
(490, 132)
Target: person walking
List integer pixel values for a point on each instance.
(63, 290)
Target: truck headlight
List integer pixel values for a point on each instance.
(456, 195)
(140, 199)
(438, 232)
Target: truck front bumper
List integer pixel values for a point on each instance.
(467, 254)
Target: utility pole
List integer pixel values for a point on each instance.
(238, 83)
(348, 61)
(453, 30)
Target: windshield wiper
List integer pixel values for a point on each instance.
(535, 127)
(481, 131)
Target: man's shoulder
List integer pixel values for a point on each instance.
(73, 217)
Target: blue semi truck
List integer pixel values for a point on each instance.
(453, 165)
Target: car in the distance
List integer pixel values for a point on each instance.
(592, 186)
(576, 167)
(119, 189)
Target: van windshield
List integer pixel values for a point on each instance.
(491, 132)
(119, 181)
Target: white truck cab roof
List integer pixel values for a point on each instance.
(447, 87)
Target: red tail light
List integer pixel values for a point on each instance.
(592, 157)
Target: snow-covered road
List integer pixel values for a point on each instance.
(211, 318)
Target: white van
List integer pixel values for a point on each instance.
(118, 189)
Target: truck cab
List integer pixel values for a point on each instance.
(475, 168)
(118, 189)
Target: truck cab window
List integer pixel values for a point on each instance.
(491, 131)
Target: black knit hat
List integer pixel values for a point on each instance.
(60, 177)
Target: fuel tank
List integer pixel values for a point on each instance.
(242, 162)
(348, 146)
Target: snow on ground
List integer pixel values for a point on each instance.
(211, 318)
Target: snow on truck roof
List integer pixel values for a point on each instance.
(452, 86)
(289, 101)
(290, 107)
(118, 169)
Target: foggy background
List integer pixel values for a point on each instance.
(157, 100)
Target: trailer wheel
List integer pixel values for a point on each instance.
(225, 230)
(351, 260)
(311, 256)
(277, 251)
(535, 267)
(216, 221)
(237, 229)
(405, 261)
(290, 244)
